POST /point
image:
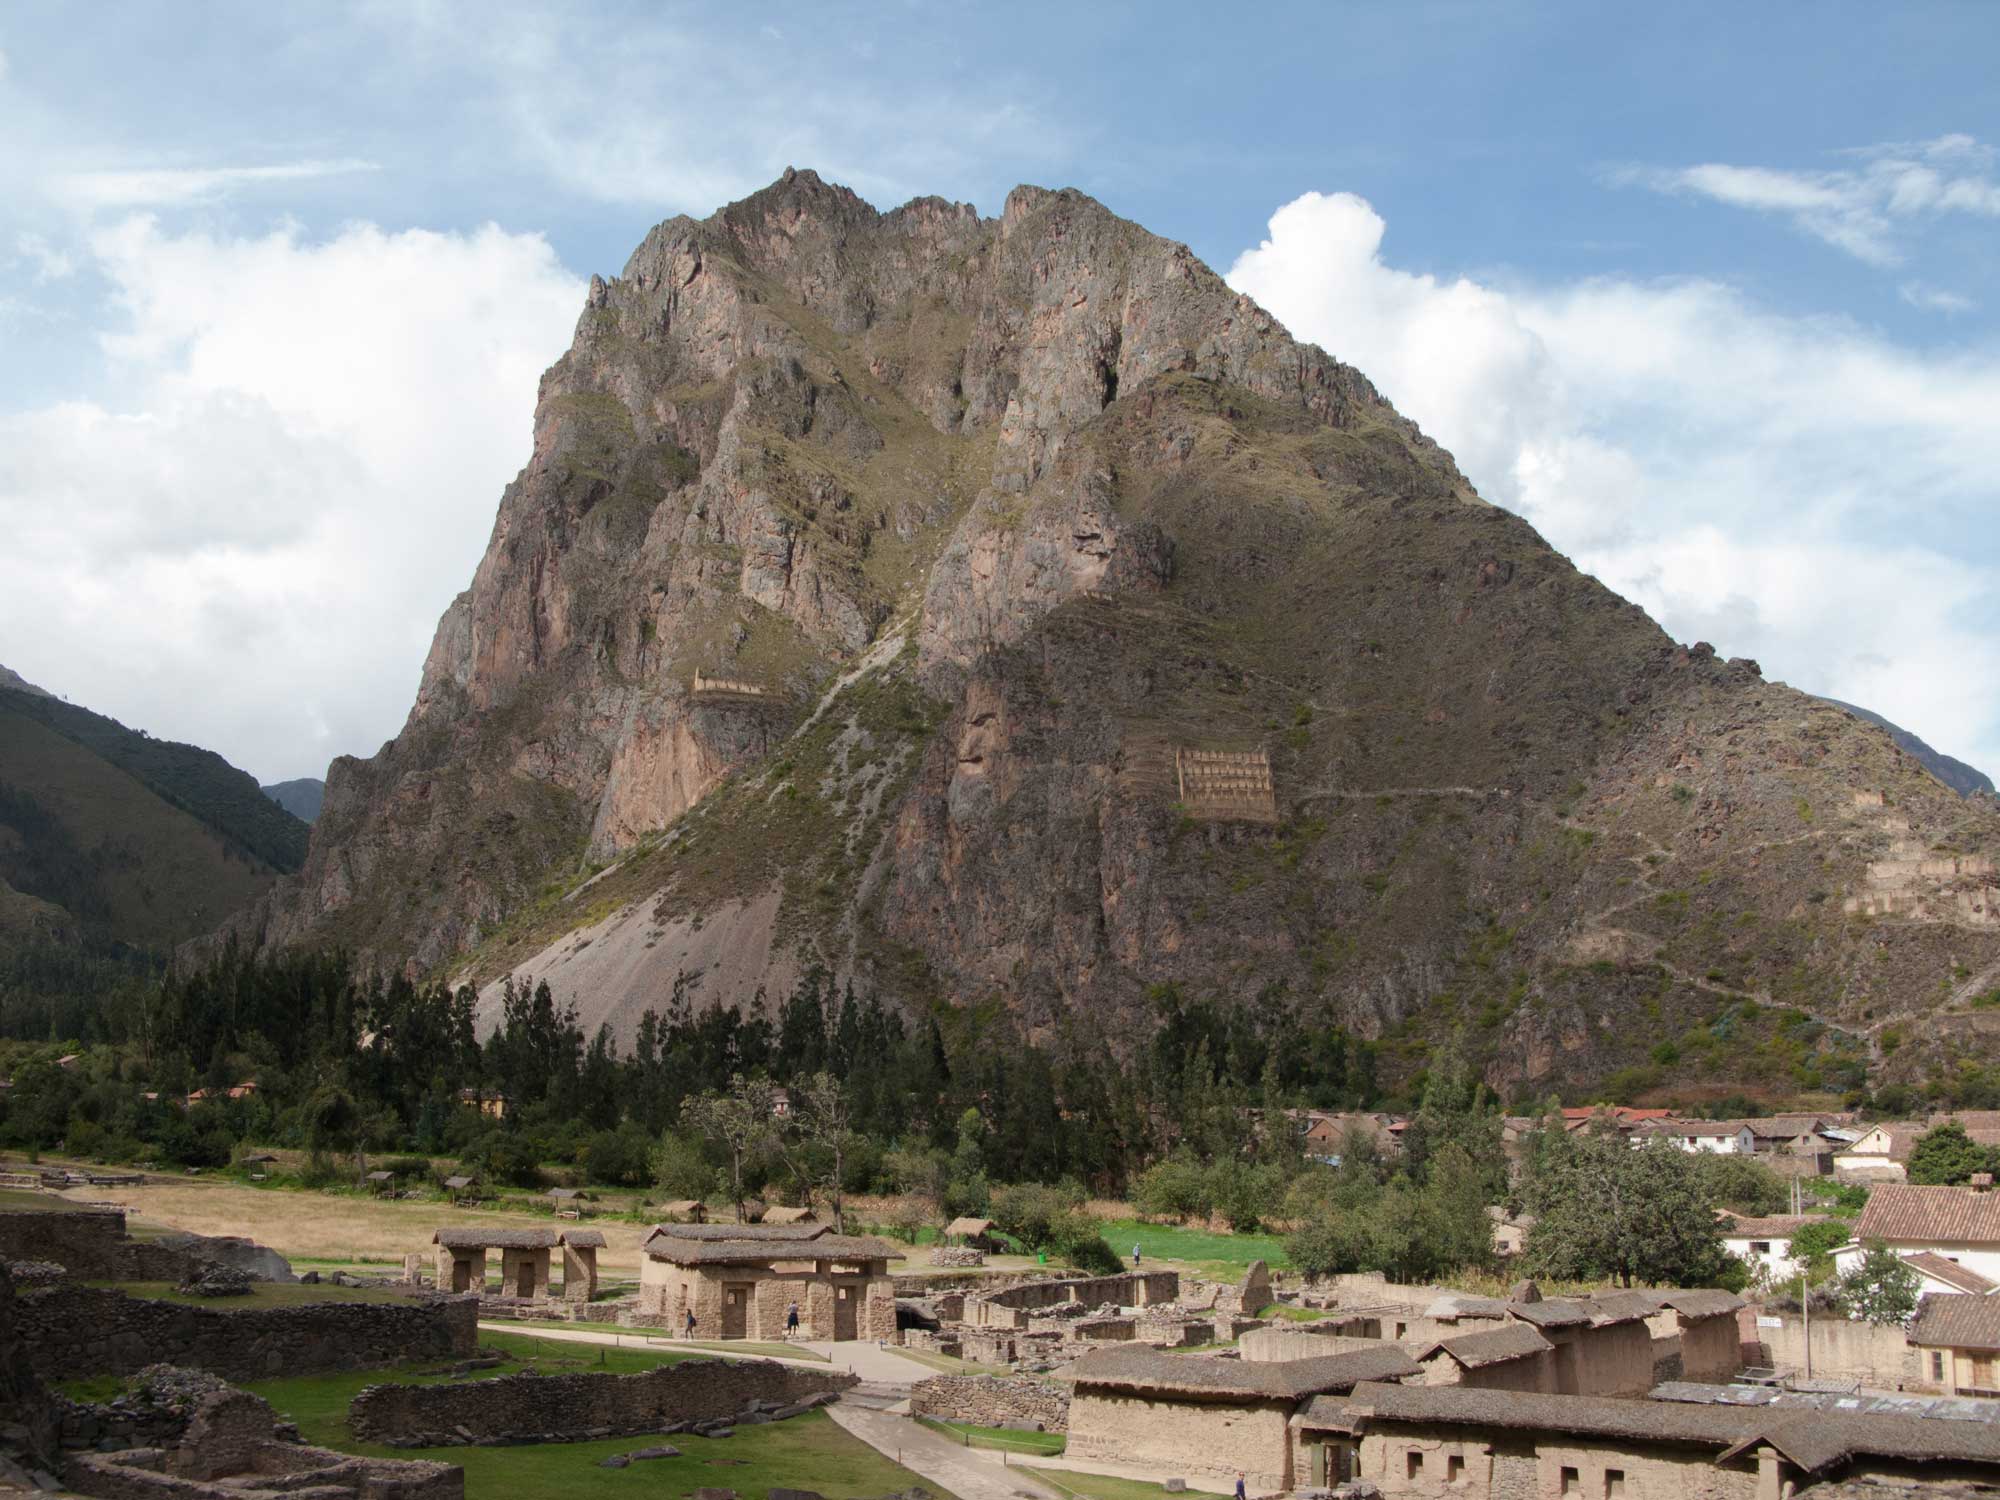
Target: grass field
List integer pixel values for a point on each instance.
(1212, 1250)
(949, 1364)
(659, 1339)
(1048, 1444)
(807, 1452)
(1103, 1486)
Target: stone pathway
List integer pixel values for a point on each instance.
(969, 1473)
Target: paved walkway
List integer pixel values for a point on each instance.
(969, 1473)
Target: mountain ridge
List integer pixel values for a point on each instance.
(873, 571)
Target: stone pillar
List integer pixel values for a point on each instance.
(579, 1273)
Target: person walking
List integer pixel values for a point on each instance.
(792, 1321)
(690, 1325)
(1239, 1487)
(1135, 1255)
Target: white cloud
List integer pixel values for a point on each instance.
(1934, 299)
(45, 262)
(1796, 490)
(252, 552)
(1861, 209)
(165, 187)
(3, 67)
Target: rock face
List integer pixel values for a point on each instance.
(875, 578)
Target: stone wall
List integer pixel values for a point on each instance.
(24, 1405)
(568, 1408)
(1297, 1341)
(991, 1401)
(91, 1245)
(1010, 1308)
(1210, 1441)
(69, 1331)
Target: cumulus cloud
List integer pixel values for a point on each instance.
(166, 187)
(253, 550)
(1860, 209)
(1797, 490)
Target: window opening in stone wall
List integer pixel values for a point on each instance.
(1454, 1469)
(1572, 1482)
(1614, 1484)
(1413, 1465)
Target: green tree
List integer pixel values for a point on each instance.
(1947, 1155)
(1636, 1214)
(1742, 1183)
(1813, 1245)
(681, 1170)
(739, 1122)
(1882, 1289)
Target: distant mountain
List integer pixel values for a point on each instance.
(17, 683)
(301, 798)
(114, 847)
(198, 782)
(1954, 773)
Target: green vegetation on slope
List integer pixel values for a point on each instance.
(198, 782)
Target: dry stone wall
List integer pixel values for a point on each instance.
(992, 1401)
(69, 1331)
(90, 1244)
(573, 1408)
(1010, 1308)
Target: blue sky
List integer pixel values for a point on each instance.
(1710, 296)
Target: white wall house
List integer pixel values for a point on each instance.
(1725, 1137)
(1879, 1152)
(1960, 1226)
(1764, 1244)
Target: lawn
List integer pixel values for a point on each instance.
(950, 1364)
(261, 1294)
(1103, 1486)
(807, 1452)
(1207, 1249)
(1046, 1443)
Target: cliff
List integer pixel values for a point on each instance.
(1004, 608)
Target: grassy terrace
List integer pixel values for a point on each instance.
(1214, 1251)
(261, 1294)
(807, 1452)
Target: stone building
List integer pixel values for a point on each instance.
(1699, 1327)
(579, 1263)
(740, 1280)
(524, 1259)
(1202, 1417)
(1431, 1442)
(1512, 1357)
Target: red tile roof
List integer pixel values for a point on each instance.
(1900, 1212)
(1950, 1272)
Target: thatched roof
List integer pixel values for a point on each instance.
(1811, 1439)
(380, 1177)
(969, 1227)
(1620, 1307)
(567, 1195)
(478, 1237)
(583, 1239)
(790, 1216)
(1700, 1302)
(739, 1244)
(458, 1183)
(684, 1206)
(1491, 1347)
(1155, 1371)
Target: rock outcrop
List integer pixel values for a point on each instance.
(985, 526)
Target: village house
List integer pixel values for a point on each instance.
(1206, 1418)
(1723, 1137)
(740, 1280)
(1431, 1442)
(685, 1211)
(1510, 1231)
(1936, 1274)
(1764, 1243)
(1326, 1135)
(1960, 1225)
(1957, 1339)
(1881, 1152)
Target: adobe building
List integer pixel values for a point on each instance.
(1201, 1417)
(579, 1263)
(1957, 1341)
(740, 1280)
(1433, 1442)
(524, 1259)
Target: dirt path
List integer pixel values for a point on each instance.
(969, 1473)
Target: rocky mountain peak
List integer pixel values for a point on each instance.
(1005, 608)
